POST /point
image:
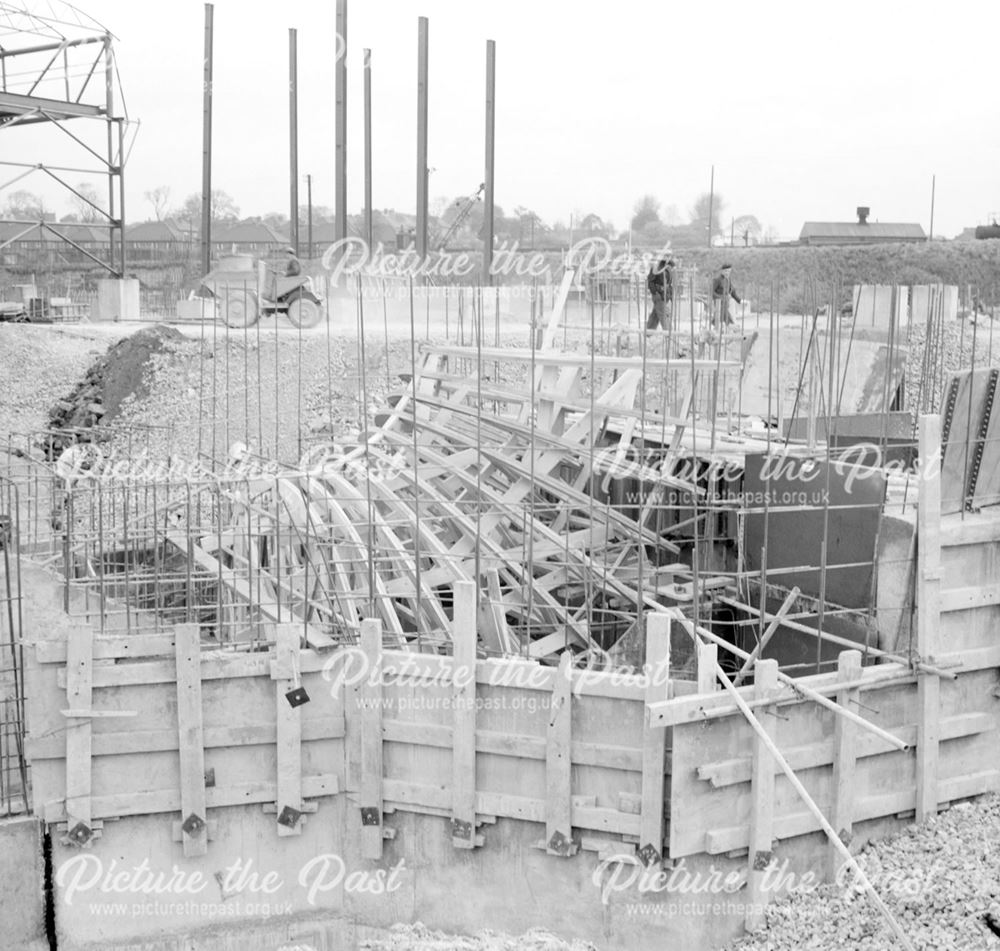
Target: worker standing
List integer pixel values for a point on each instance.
(722, 290)
(660, 283)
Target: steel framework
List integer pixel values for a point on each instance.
(56, 65)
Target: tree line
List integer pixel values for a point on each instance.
(457, 222)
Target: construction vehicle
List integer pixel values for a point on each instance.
(245, 291)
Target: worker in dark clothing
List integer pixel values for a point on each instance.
(722, 290)
(660, 283)
(293, 267)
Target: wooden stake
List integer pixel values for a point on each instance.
(928, 613)
(79, 691)
(762, 798)
(463, 763)
(708, 660)
(558, 773)
(289, 729)
(370, 786)
(654, 752)
(786, 606)
(844, 758)
(190, 739)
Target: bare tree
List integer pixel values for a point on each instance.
(646, 212)
(88, 204)
(747, 229)
(24, 206)
(159, 198)
(223, 207)
(672, 216)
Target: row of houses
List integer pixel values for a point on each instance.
(177, 242)
(150, 240)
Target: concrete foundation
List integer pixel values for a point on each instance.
(117, 299)
(922, 302)
(196, 308)
(22, 885)
(873, 306)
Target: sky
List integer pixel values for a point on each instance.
(805, 110)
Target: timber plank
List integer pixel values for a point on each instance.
(194, 817)
(558, 767)
(463, 738)
(288, 726)
(370, 697)
(654, 752)
(79, 696)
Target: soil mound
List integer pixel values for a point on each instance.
(97, 399)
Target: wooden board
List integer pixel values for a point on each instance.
(191, 740)
(79, 697)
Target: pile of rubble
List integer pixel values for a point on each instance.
(940, 880)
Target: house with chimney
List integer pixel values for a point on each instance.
(862, 231)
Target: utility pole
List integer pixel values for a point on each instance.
(488, 222)
(369, 230)
(711, 202)
(930, 237)
(422, 175)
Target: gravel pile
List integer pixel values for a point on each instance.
(277, 394)
(420, 938)
(958, 341)
(940, 880)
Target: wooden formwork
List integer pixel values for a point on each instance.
(150, 724)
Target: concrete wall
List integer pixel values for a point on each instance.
(943, 301)
(22, 885)
(510, 885)
(116, 300)
(873, 306)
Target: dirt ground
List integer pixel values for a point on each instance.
(201, 390)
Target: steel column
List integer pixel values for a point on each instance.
(369, 236)
(422, 183)
(488, 224)
(293, 139)
(206, 148)
(340, 157)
